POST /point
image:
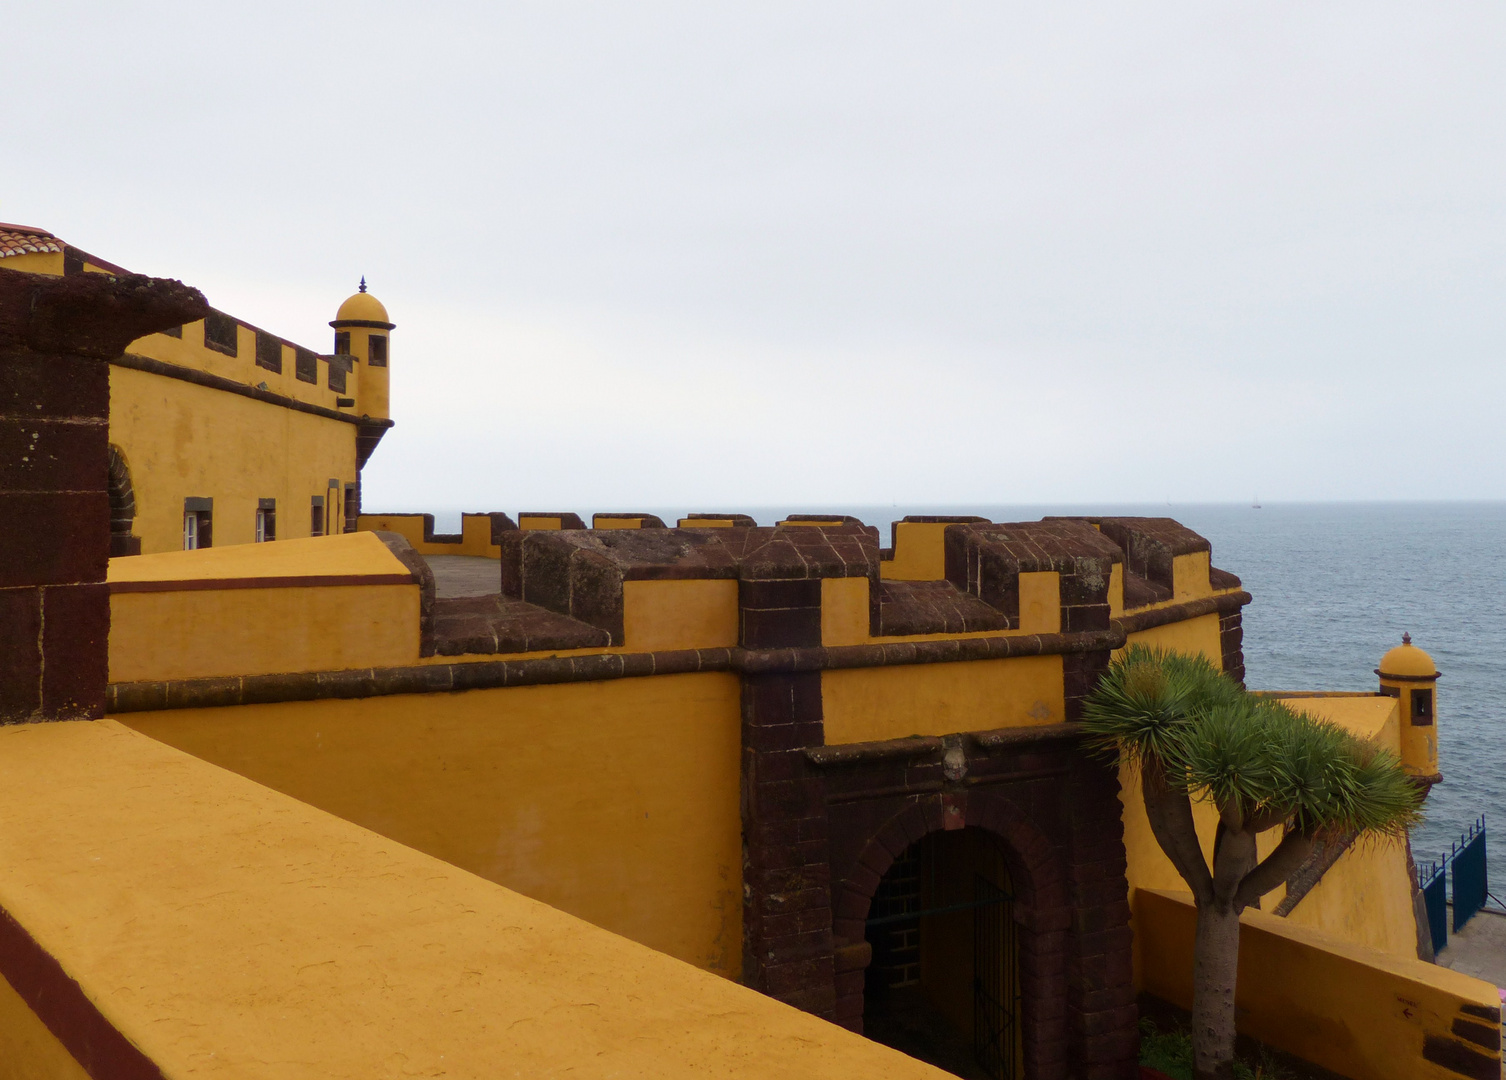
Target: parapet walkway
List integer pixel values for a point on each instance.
(464, 575)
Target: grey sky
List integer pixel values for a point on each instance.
(706, 256)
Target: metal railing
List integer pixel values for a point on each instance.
(1465, 864)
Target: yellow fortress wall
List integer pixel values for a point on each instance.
(614, 801)
(232, 449)
(1359, 1012)
(215, 928)
(321, 604)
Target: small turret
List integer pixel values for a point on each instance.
(361, 331)
(1408, 673)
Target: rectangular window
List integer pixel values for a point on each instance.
(352, 507)
(266, 520)
(377, 350)
(221, 333)
(268, 352)
(198, 523)
(342, 342)
(338, 366)
(316, 516)
(1422, 708)
(306, 366)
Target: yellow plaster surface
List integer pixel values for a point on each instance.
(1040, 603)
(616, 801)
(1189, 576)
(868, 704)
(319, 556)
(475, 534)
(1197, 637)
(36, 262)
(679, 615)
(1357, 1011)
(230, 931)
(28, 1051)
(1365, 898)
(209, 633)
(919, 552)
(183, 440)
(1373, 718)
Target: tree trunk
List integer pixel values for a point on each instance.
(1215, 970)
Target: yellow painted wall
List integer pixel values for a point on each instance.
(28, 1051)
(1357, 1011)
(1040, 603)
(1189, 576)
(207, 633)
(196, 632)
(231, 932)
(1197, 636)
(475, 534)
(679, 615)
(919, 552)
(1366, 899)
(183, 440)
(615, 801)
(190, 351)
(867, 704)
(36, 262)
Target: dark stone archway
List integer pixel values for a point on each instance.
(122, 506)
(1055, 813)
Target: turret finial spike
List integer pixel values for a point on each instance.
(1406, 638)
(363, 282)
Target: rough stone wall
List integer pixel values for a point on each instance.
(56, 338)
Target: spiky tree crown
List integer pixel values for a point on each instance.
(1252, 756)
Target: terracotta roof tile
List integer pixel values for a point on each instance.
(24, 240)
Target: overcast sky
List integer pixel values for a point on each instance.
(707, 255)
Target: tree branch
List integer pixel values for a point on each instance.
(1232, 863)
(1170, 816)
(1279, 865)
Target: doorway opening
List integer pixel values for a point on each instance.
(944, 983)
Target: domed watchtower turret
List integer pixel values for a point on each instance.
(1406, 672)
(361, 331)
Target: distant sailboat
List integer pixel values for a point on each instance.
(1256, 504)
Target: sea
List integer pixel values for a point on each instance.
(1335, 585)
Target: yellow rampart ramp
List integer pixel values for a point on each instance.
(229, 931)
(1360, 1012)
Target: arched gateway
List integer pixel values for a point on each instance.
(996, 859)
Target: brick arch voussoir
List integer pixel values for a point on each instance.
(1033, 860)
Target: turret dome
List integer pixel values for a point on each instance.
(1407, 661)
(362, 309)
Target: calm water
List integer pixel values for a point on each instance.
(1335, 585)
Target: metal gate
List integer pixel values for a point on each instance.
(996, 979)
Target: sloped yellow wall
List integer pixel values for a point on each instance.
(615, 801)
